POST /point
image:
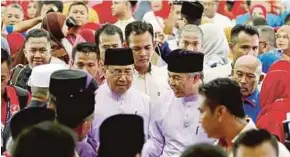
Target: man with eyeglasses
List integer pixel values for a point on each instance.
(116, 96)
(174, 124)
(109, 36)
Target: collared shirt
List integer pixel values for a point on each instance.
(123, 24)
(174, 126)
(252, 106)
(283, 152)
(109, 104)
(85, 150)
(153, 83)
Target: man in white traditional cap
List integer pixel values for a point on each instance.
(39, 81)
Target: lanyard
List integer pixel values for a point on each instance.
(8, 115)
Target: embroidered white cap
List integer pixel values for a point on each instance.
(40, 76)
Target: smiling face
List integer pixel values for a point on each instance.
(119, 78)
(182, 84)
(142, 47)
(37, 51)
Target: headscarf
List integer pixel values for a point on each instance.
(215, 45)
(275, 102)
(276, 85)
(281, 65)
(15, 47)
(53, 23)
(88, 35)
(259, 6)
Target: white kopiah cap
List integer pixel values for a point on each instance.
(40, 76)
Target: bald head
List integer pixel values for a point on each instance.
(251, 62)
(247, 72)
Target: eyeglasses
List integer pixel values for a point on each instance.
(119, 73)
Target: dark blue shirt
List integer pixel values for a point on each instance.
(252, 106)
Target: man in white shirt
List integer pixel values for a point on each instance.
(122, 10)
(211, 15)
(148, 78)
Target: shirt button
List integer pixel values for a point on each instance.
(186, 125)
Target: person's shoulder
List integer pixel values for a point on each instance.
(283, 151)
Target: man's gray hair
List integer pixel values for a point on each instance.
(192, 29)
(267, 32)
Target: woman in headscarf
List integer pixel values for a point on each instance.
(275, 102)
(215, 45)
(283, 41)
(54, 23)
(258, 11)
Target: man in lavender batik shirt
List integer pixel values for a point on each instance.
(174, 124)
(116, 96)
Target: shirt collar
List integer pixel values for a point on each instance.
(191, 98)
(249, 126)
(253, 98)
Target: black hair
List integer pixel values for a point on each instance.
(254, 138)
(108, 29)
(37, 33)
(78, 3)
(259, 21)
(226, 92)
(204, 150)
(56, 3)
(248, 29)
(5, 57)
(45, 139)
(138, 28)
(287, 19)
(85, 47)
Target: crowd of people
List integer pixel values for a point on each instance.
(145, 78)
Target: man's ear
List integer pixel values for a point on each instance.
(231, 45)
(220, 112)
(262, 76)
(125, 45)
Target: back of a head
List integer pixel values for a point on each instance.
(121, 135)
(217, 93)
(46, 139)
(254, 138)
(204, 150)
